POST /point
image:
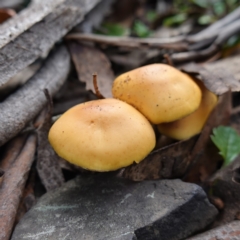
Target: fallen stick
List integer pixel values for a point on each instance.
(12, 186)
(22, 106)
(34, 31)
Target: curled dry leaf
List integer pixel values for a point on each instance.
(48, 166)
(167, 162)
(217, 79)
(89, 60)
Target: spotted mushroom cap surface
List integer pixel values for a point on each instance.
(102, 135)
(192, 124)
(160, 92)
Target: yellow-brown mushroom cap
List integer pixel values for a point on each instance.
(160, 92)
(102, 135)
(192, 124)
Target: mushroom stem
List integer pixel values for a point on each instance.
(97, 92)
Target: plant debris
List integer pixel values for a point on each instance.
(89, 60)
(48, 166)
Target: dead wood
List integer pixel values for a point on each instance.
(13, 184)
(94, 18)
(13, 149)
(48, 166)
(193, 47)
(34, 31)
(21, 107)
(11, 3)
(130, 42)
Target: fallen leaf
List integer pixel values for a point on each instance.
(218, 80)
(167, 162)
(5, 14)
(89, 60)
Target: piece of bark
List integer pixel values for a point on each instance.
(48, 166)
(28, 197)
(131, 42)
(89, 60)
(34, 31)
(94, 18)
(168, 162)
(22, 106)
(12, 150)
(15, 4)
(12, 186)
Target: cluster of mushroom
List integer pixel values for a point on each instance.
(108, 134)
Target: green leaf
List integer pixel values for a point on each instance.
(228, 142)
(201, 3)
(175, 20)
(140, 29)
(113, 29)
(205, 19)
(151, 16)
(219, 7)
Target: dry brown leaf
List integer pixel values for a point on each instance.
(89, 60)
(48, 166)
(5, 14)
(218, 80)
(168, 162)
(196, 158)
(1, 176)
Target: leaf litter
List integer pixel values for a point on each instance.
(89, 60)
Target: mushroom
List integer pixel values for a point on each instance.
(102, 135)
(192, 124)
(160, 92)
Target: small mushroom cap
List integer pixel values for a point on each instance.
(160, 92)
(102, 135)
(192, 124)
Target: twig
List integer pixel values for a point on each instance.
(97, 92)
(187, 47)
(131, 42)
(234, 28)
(13, 185)
(22, 106)
(215, 29)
